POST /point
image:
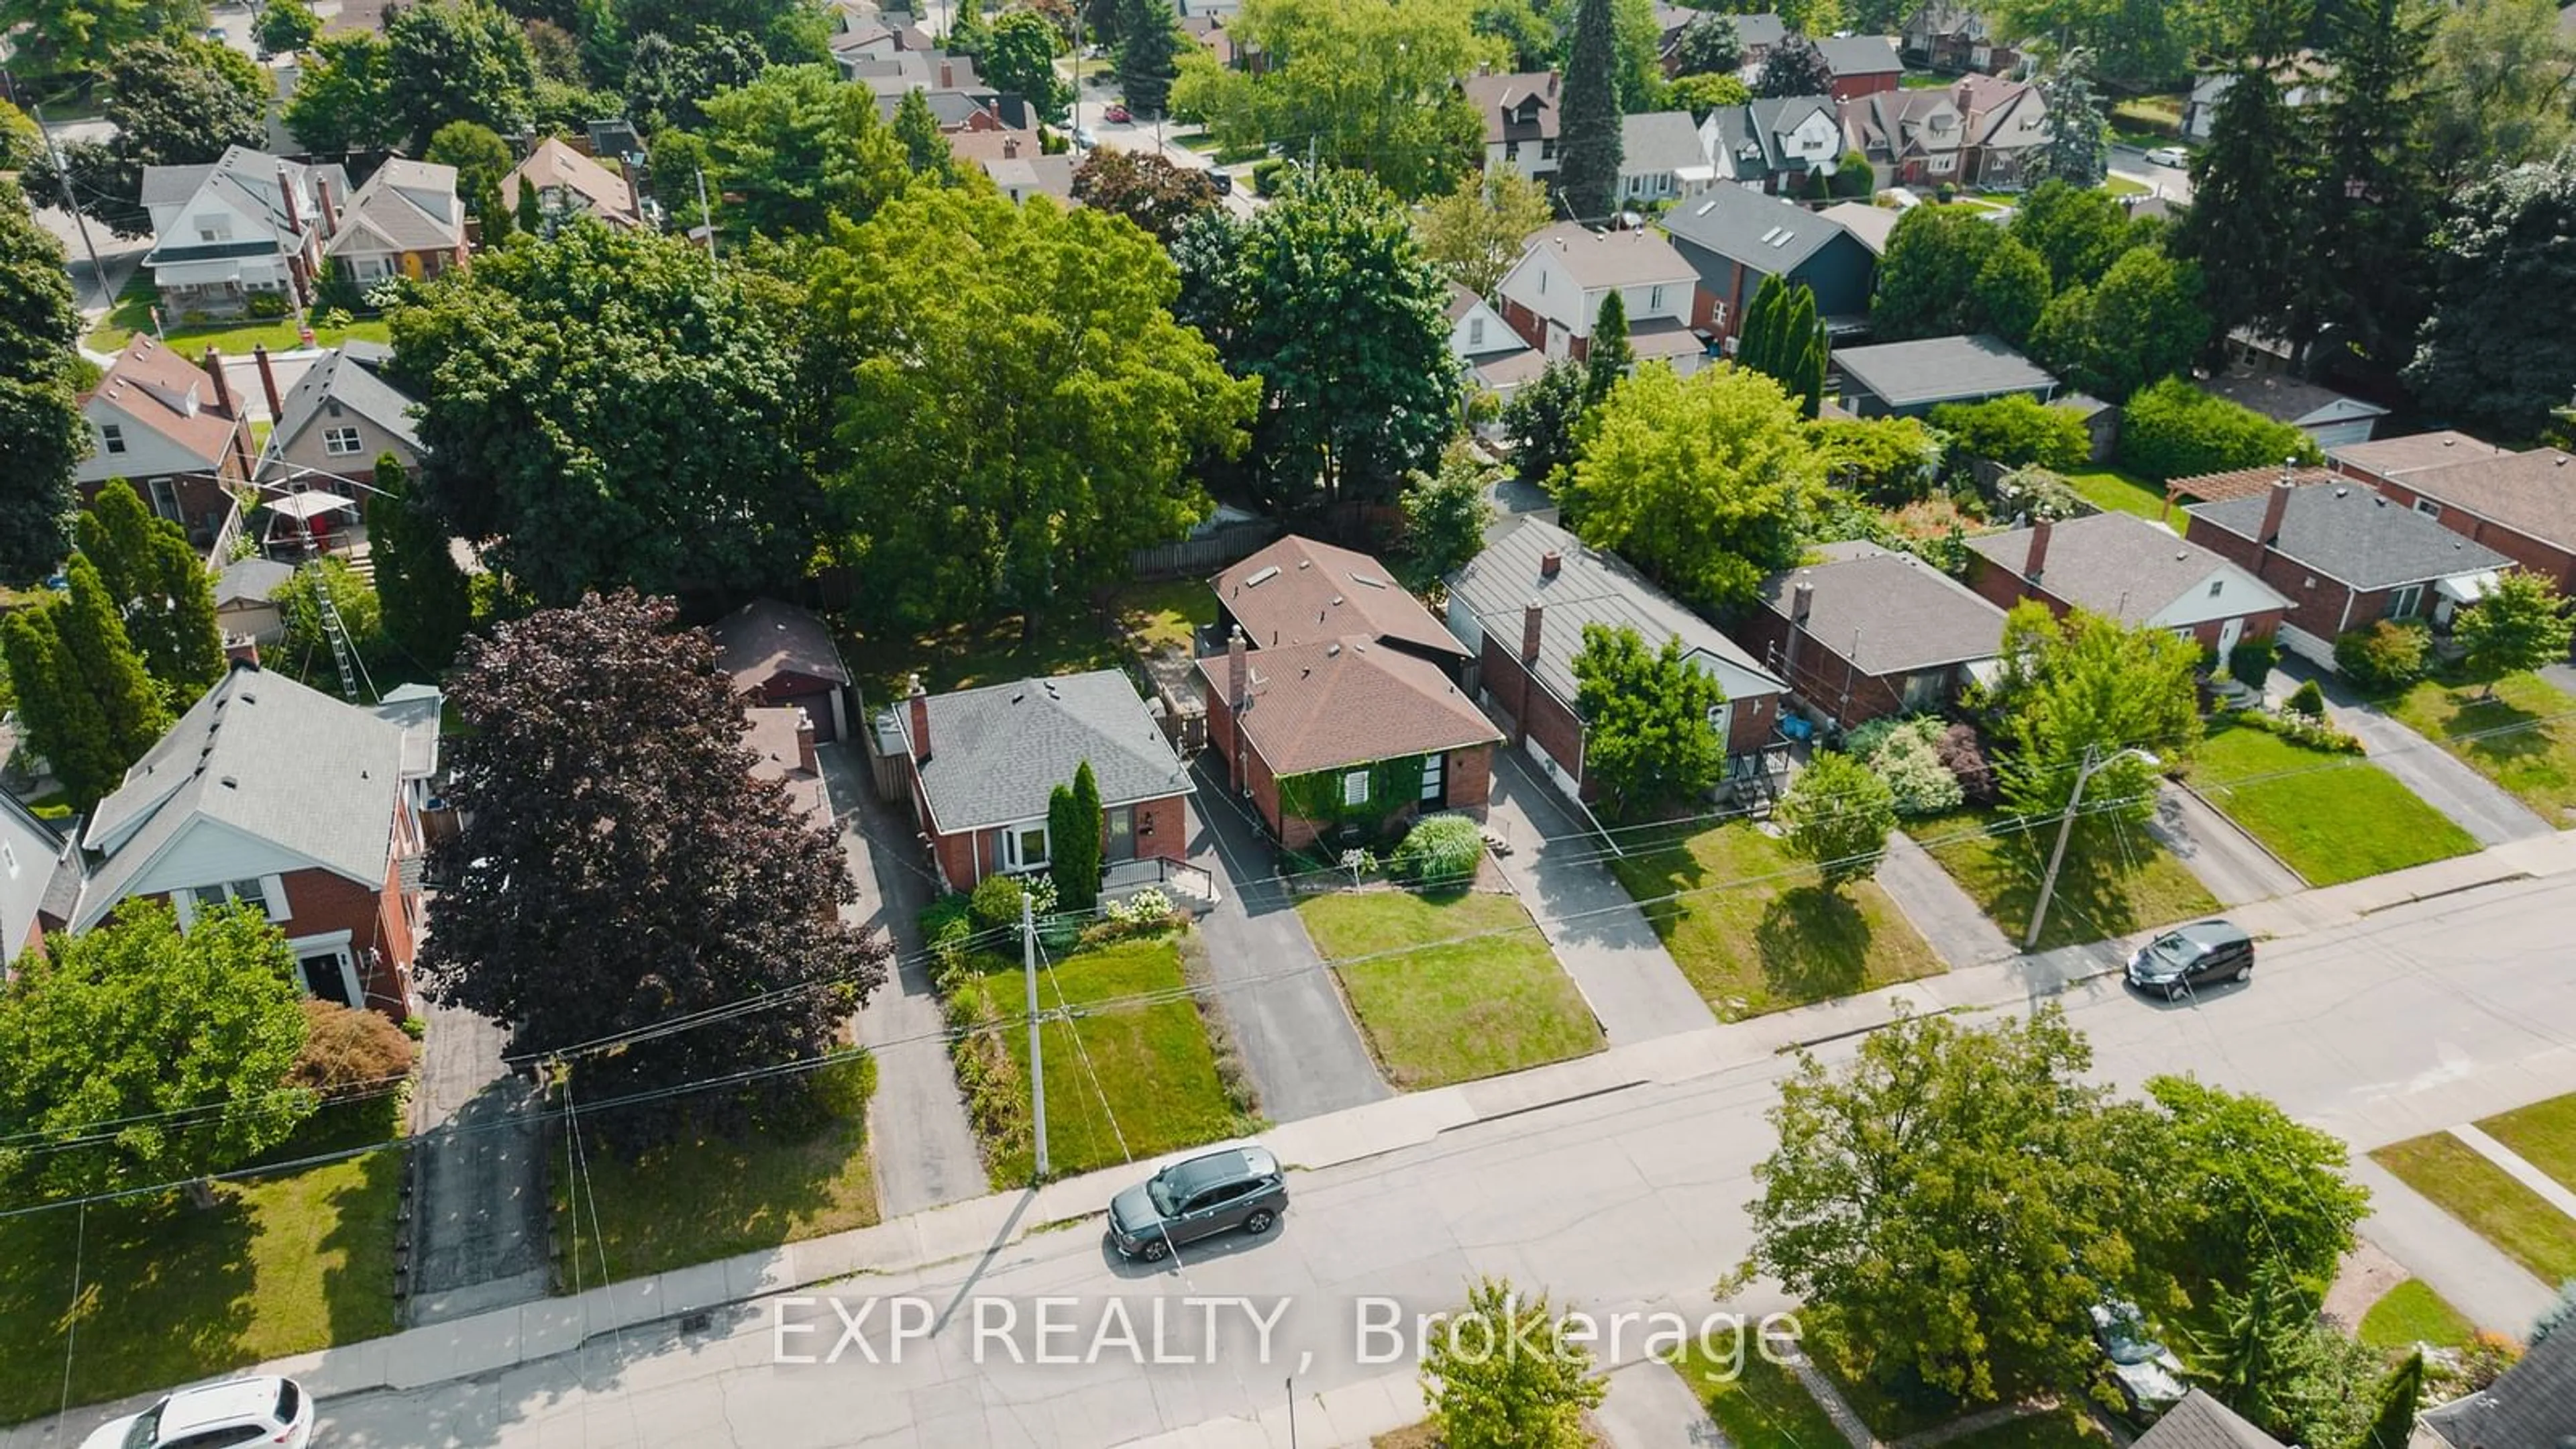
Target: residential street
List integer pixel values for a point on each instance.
(2173, 183)
(1614, 1181)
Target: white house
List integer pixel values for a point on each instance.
(1662, 157)
(1520, 116)
(2304, 79)
(1774, 143)
(1489, 352)
(243, 224)
(1553, 295)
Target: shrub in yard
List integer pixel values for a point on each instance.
(2301, 729)
(1268, 176)
(2486, 1357)
(2174, 430)
(1444, 848)
(2040, 493)
(1945, 193)
(2251, 661)
(996, 901)
(267, 304)
(1504, 1370)
(2386, 657)
(2015, 431)
(1965, 756)
(2308, 700)
(347, 1050)
(1908, 758)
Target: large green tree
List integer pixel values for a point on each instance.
(2250, 184)
(2078, 149)
(1708, 45)
(713, 888)
(2229, 1159)
(427, 600)
(178, 1040)
(2130, 40)
(2521, 624)
(2497, 89)
(173, 102)
(789, 32)
(611, 408)
(799, 146)
(1149, 50)
(2085, 688)
(1650, 740)
(161, 590)
(1018, 411)
(1948, 272)
(1956, 1199)
(1543, 420)
(482, 159)
(1532, 1395)
(1020, 60)
(458, 60)
(2363, 288)
(2488, 355)
(1837, 813)
(1702, 482)
(1445, 514)
(287, 26)
(41, 430)
(2171, 429)
(2141, 323)
(1325, 297)
(343, 97)
(63, 721)
(669, 80)
(1477, 230)
(74, 37)
(1588, 139)
(2078, 232)
(1794, 67)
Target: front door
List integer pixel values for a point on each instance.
(2228, 633)
(1122, 834)
(325, 978)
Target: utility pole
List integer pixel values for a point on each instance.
(2066, 827)
(72, 204)
(706, 213)
(1037, 1054)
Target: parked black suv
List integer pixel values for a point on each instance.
(2195, 955)
(1239, 1187)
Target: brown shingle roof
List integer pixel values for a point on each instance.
(154, 386)
(766, 638)
(1298, 591)
(1495, 95)
(1329, 703)
(2396, 457)
(1614, 259)
(771, 733)
(2532, 493)
(556, 166)
(2242, 483)
(1888, 612)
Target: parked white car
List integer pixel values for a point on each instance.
(2173, 156)
(262, 1410)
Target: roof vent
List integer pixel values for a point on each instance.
(1337, 601)
(1771, 237)
(1370, 580)
(1263, 577)
(2341, 492)
(1332, 651)
(1705, 207)
(229, 783)
(1305, 563)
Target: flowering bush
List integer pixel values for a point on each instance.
(1907, 756)
(1148, 906)
(1442, 848)
(1964, 756)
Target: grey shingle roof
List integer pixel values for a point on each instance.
(1590, 587)
(1888, 612)
(1753, 128)
(1612, 259)
(1733, 221)
(2285, 399)
(2351, 532)
(267, 757)
(2201, 1422)
(1936, 369)
(31, 850)
(1860, 55)
(2124, 567)
(2533, 1406)
(1756, 31)
(1659, 141)
(406, 205)
(335, 377)
(996, 752)
(252, 580)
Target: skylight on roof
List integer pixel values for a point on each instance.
(1770, 238)
(1782, 240)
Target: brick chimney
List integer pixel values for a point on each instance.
(1533, 619)
(805, 759)
(947, 76)
(330, 215)
(920, 705)
(268, 381)
(215, 372)
(242, 649)
(1802, 603)
(2275, 505)
(2038, 562)
(286, 194)
(1010, 148)
(1550, 564)
(1238, 671)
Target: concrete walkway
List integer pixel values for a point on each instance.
(479, 1228)
(1947, 916)
(1601, 938)
(924, 1152)
(2473, 1274)
(2234, 867)
(2472, 801)
(2518, 1167)
(1296, 1034)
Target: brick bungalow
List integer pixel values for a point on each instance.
(2522, 505)
(2126, 568)
(274, 794)
(2346, 557)
(779, 655)
(1522, 604)
(1866, 633)
(984, 761)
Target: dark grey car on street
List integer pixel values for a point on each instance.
(1238, 1187)
(2200, 954)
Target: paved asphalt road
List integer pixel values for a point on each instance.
(2420, 1017)
(2170, 182)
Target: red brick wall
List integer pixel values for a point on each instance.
(321, 902)
(1162, 829)
(1822, 678)
(1531, 326)
(1471, 779)
(1853, 87)
(1750, 727)
(2002, 587)
(2319, 609)
(2545, 559)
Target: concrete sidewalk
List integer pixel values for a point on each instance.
(2231, 864)
(1602, 939)
(2472, 801)
(2479, 1280)
(1947, 916)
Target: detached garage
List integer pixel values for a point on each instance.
(781, 655)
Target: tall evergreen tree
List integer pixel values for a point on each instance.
(1802, 349)
(161, 590)
(1757, 345)
(100, 654)
(2078, 148)
(531, 215)
(63, 722)
(1588, 144)
(2392, 1424)
(1073, 840)
(41, 433)
(2248, 185)
(1609, 357)
(925, 147)
(1148, 55)
(2364, 287)
(427, 600)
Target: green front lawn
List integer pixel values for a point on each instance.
(711, 1196)
(1123, 1082)
(171, 1292)
(1166, 616)
(2542, 1134)
(1779, 939)
(2524, 739)
(1889, 1415)
(2123, 186)
(2522, 1224)
(2117, 878)
(1437, 1008)
(133, 313)
(2412, 1313)
(1760, 1404)
(2115, 491)
(2059, 1428)
(2333, 817)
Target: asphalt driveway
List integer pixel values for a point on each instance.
(2475, 803)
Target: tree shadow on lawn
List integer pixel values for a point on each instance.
(1814, 944)
(166, 1294)
(710, 1193)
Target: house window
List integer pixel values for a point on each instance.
(1475, 331)
(1024, 847)
(1655, 300)
(2405, 602)
(2428, 508)
(2215, 585)
(1511, 150)
(1435, 778)
(1547, 150)
(1355, 787)
(268, 893)
(341, 442)
(165, 499)
(211, 229)
(111, 436)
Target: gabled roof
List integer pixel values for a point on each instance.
(1769, 234)
(1850, 55)
(766, 638)
(2201, 1422)
(1902, 123)
(996, 752)
(556, 166)
(1869, 225)
(2286, 399)
(2351, 532)
(1937, 369)
(1496, 97)
(2396, 458)
(2126, 568)
(2531, 1406)
(1752, 132)
(172, 396)
(406, 206)
(2239, 482)
(1988, 101)
(2531, 493)
(1589, 587)
(1298, 591)
(34, 856)
(252, 580)
(1660, 141)
(1600, 260)
(246, 180)
(264, 756)
(335, 383)
(1754, 32)
(1888, 613)
(1335, 702)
